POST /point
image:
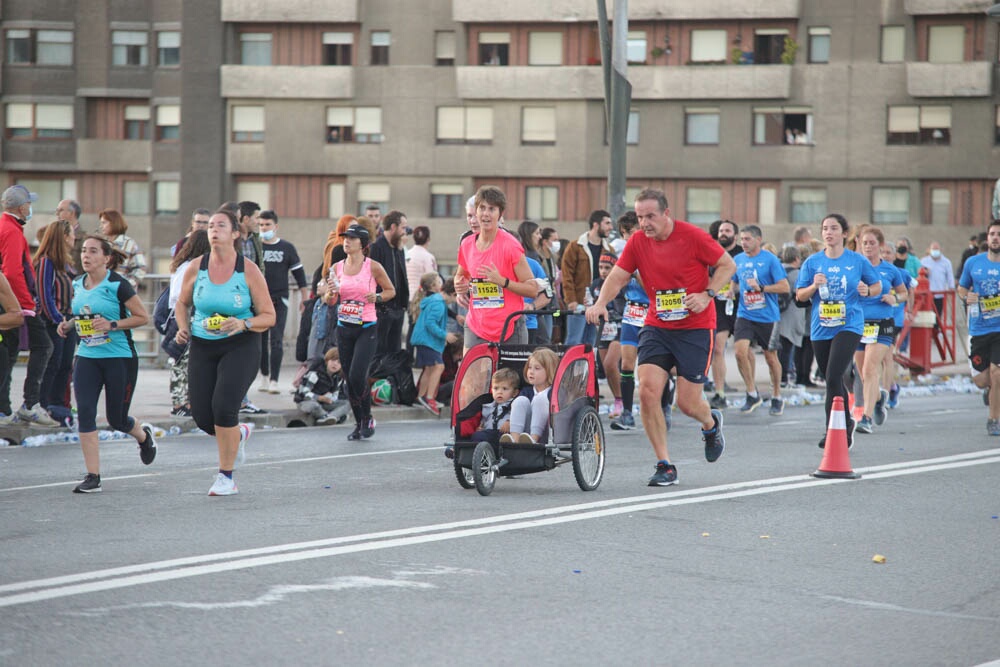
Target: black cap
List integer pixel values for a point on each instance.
(357, 232)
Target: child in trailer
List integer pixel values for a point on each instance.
(496, 414)
(529, 415)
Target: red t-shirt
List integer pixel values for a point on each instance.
(489, 303)
(669, 270)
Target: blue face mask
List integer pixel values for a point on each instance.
(935, 254)
(30, 213)
(268, 235)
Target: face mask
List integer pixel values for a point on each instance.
(30, 213)
(902, 249)
(268, 235)
(935, 254)
(556, 245)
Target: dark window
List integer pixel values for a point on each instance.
(494, 54)
(20, 47)
(767, 49)
(380, 47)
(447, 206)
(337, 54)
(137, 129)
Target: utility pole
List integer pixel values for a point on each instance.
(617, 98)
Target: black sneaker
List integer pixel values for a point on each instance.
(881, 410)
(90, 484)
(147, 448)
(718, 402)
(751, 404)
(665, 475)
(715, 442)
(368, 430)
(355, 434)
(251, 409)
(181, 411)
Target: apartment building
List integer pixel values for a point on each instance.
(764, 111)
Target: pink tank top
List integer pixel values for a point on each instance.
(354, 308)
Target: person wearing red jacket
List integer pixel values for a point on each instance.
(15, 260)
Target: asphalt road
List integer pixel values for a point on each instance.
(341, 553)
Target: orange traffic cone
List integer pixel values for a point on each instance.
(836, 462)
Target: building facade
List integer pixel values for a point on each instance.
(773, 112)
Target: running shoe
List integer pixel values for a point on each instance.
(881, 407)
(715, 441)
(507, 439)
(246, 430)
(272, 387)
(36, 415)
(181, 411)
(777, 407)
(992, 428)
(90, 484)
(249, 408)
(355, 434)
(368, 430)
(626, 422)
(865, 425)
(665, 475)
(431, 405)
(751, 404)
(223, 486)
(147, 448)
(526, 439)
(893, 396)
(718, 402)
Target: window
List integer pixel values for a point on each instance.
(168, 48)
(258, 191)
(541, 202)
(703, 205)
(361, 125)
(819, 45)
(708, 46)
(767, 205)
(40, 47)
(373, 194)
(444, 48)
(336, 201)
(538, 125)
(912, 125)
(545, 48)
(255, 49)
(494, 48)
(168, 197)
(137, 121)
(808, 204)
(168, 122)
(635, 49)
(632, 131)
(893, 43)
(940, 206)
(774, 126)
(135, 198)
(946, 44)
(380, 47)
(465, 125)
(248, 124)
(890, 206)
(337, 48)
(768, 45)
(447, 200)
(701, 126)
(129, 48)
(39, 121)
(50, 191)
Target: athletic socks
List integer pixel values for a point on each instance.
(628, 390)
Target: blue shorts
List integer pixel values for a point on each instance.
(427, 356)
(629, 334)
(690, 350)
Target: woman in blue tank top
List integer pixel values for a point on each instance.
(231, 308)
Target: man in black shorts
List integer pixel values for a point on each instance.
(726, 233)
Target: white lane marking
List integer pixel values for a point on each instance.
(908, 610)
(373, 543)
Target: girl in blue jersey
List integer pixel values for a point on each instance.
(835, 280)
(879, 332)
(231, 309)
(105, 308)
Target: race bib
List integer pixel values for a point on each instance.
(610, 331)
(754, 300)
(989, 307)
(484, 294)
(670, 305)
(88, 335)
(723, 293)
(635, 313)
(870, 333)
(350, 312)
(213, 323)
(832, 313)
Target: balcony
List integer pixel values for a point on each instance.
(116, 155)
(312, 82)
(974, 79)
(488, 11)
(290, 11)
(919, 7)
(708, 82)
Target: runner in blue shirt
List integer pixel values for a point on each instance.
(899, 319)
(979, 287)
(835, 280)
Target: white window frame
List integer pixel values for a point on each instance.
(890, 205)
(122, 54)
(541, 202)
(699, 119)
(703, 205)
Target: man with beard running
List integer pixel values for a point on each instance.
(979, 287)
(725, 232)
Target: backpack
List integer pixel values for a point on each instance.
(162, 312)
(397, 369)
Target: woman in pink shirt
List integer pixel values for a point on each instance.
(419, 259)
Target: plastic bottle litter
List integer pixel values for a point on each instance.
(824, 291)
(174, 430)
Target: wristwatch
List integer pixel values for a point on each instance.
(711, 293)
(114, 324)
(246, 323)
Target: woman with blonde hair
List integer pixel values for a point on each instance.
(113, 228)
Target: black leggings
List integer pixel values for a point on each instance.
(835, 356)
(219, 374)
(357, 347)
(271, 354)
(117, 376)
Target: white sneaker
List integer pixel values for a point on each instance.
(246, 430)
(272, 387)
(262, 385)
(223, 486)
(36, 415)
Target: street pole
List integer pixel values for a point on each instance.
(617, 98)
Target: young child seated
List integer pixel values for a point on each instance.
(496, 414)
(316, 394)
(529, 417)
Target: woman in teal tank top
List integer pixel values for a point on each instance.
(231, 308)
